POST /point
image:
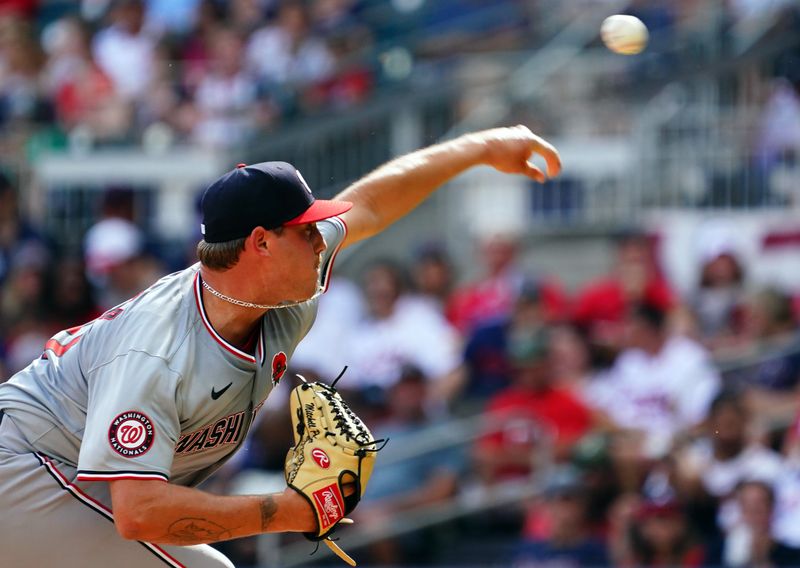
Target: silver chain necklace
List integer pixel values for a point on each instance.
(244, 304)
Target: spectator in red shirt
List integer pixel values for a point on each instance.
(493, 295)
(601, 306)
(660, 536)
(531, 412)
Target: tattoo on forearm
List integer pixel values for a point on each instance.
(268, 509)
(196, 531)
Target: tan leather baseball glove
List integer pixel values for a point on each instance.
(332, 459)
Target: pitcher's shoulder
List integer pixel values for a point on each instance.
(156, 321)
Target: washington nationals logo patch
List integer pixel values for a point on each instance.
(278, 367)
(131, 434)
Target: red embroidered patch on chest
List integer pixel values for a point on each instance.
(278, 367)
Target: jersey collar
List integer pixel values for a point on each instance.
(201, 308)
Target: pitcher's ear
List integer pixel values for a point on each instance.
(260, 239)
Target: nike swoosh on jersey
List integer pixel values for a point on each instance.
(216, 394)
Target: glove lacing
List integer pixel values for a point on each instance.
(347, 423)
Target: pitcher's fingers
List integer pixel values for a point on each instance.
(533, 172)
(550, 155)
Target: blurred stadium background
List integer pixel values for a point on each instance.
(603, 370)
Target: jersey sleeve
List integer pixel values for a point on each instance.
(132, 422)
(334, 231)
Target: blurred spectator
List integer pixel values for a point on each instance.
(486, 369)
(245, 16)
(22, 308)
(69, 298)
(421, 481)
(160, 113)
(23, 262)
(399, 332)
(433, 276)
(750, 542)
(229, 108)
(109, 246)
(349, 86)
(659, 386)
(24, 258)
(786, 522)
(660, 535)
(710, 469)
(778, 135)
(194, 50)
(494, 294)
(773, 381)
(590, 456)
(83, 94)
(117, 263)
(531, 418)
(124, 50)
(325, 349)
(16, 232)
(26, 345)
(601, 306)
(557, 531)
(22, 98)
(570, 358)
(717, 303)
(349, 43)
(22, 298)
(286, 51)
(66, 43)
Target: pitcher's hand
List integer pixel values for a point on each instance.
(509, 150)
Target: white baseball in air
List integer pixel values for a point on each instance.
(624, 34)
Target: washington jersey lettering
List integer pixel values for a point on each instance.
(226, 430)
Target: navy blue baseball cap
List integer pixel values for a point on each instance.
(269, 195)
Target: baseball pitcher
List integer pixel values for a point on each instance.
(105, 436)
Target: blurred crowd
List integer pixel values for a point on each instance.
(209, 72)
(215, 72)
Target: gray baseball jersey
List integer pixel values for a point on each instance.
(149, 390)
